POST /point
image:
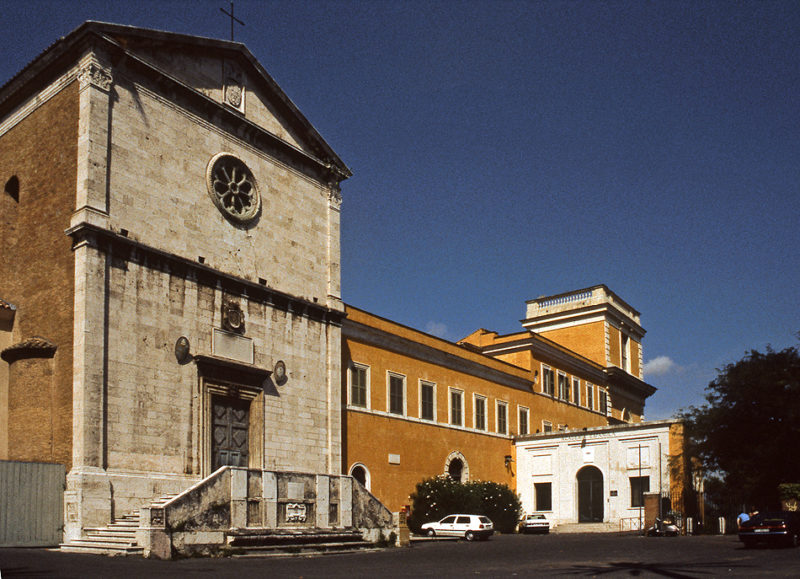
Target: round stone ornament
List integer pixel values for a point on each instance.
(233, 188)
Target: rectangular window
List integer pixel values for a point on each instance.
(456, 407)
(548, 380)
(397, 394)
(625, 353)
(576, 391)
(639, 486)
(589, 396)
(603, 402)
(547, 426)
(480, 412)
(523, 421)
(563, 387)
(358, 385)
(427, 400)
(544, 496)
(502, 417)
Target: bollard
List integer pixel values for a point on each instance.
(689, 526)
(722, 525)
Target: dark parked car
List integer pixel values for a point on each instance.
(778, 527)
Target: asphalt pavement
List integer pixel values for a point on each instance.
(578, 555)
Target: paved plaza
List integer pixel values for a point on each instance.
(578, 555)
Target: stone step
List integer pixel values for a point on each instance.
(128, 535)
(586, 528)
(278, 537)
(302, 549)
(100, 547)
(104, 538)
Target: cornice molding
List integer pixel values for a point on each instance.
(563, 360)
(34, 347)
(407, 347)
(129, 250)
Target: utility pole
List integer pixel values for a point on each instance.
(641, 492)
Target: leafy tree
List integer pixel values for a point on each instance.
(748, 433)
(440, 496)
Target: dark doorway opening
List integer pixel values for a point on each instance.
(590, 495)
(360, 474)
(455, 469)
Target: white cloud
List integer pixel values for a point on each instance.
(437, 329)
(659, 366)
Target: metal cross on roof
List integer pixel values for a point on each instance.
(233, 18)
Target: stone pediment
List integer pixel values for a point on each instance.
(223, 71)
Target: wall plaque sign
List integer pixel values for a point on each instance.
(295, 513)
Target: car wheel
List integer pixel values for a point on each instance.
(431, 533)
(470, 536)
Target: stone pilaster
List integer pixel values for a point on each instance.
(88, 495)
(93, 134)
(323, 502)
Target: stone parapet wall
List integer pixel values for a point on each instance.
(236, 501)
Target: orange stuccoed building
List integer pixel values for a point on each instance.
(418, 406)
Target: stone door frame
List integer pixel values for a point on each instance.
(220, 377)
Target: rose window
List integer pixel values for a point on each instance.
(233, 188)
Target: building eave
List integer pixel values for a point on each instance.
(619, 378)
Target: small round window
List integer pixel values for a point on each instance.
(233, 188)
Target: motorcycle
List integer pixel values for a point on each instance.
(663, 528)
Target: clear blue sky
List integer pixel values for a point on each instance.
(504, 150)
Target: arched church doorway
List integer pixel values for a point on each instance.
(590, 495)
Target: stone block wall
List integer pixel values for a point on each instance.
(158, 193)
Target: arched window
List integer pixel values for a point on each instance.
(360, 472)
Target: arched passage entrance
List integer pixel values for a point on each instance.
(456, 467)
(590, 495)
(361, 473)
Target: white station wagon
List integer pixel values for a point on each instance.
(470, 527)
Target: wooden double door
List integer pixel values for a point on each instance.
(230, 427)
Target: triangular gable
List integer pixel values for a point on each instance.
(226, 72)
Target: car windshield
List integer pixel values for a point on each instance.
(535, 517)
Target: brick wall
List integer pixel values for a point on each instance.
(36, 264)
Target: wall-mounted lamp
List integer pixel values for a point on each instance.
(508, 460)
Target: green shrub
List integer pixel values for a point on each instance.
(440, 496)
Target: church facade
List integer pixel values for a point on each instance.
(171, 297)
(171, 305)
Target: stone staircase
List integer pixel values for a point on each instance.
(117, 539)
